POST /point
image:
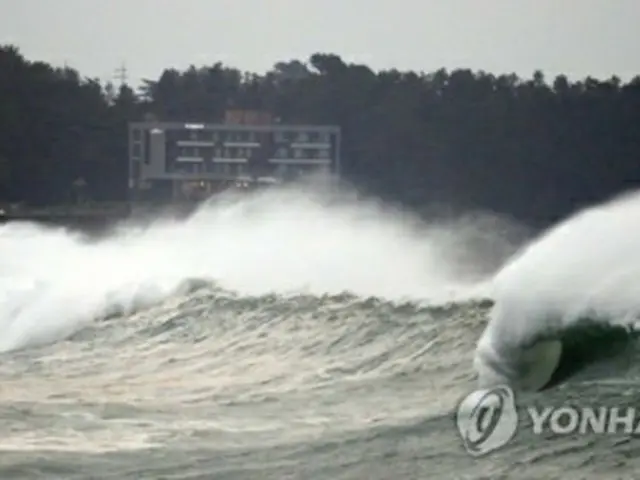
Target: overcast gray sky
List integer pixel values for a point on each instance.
(576, 37)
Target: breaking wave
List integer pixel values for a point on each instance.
(291, 240)
(567, 300)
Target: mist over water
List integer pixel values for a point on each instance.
(285, 241)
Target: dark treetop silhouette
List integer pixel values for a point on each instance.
(524, 148)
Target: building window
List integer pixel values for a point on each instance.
(279, 137)
(302, 137)
(189, 152)
(323, 169)
(323, 153)
(298, 153)
(281, 152)
(281, 171)
(186, 168)
(137, 151)
(137, 134)
(323, 137)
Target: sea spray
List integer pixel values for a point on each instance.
(286, 240)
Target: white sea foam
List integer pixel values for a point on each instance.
(285, 240)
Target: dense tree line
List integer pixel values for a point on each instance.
(525, 147)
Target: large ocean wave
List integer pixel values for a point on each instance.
(568, 298)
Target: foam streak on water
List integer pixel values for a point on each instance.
(52, 282)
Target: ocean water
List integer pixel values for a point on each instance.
(303, 334)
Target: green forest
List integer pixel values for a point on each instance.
(535, 149)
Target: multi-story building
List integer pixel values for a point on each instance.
(186, 161)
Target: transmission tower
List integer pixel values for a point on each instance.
(121, 74)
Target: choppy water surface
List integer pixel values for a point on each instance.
(288, 335)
